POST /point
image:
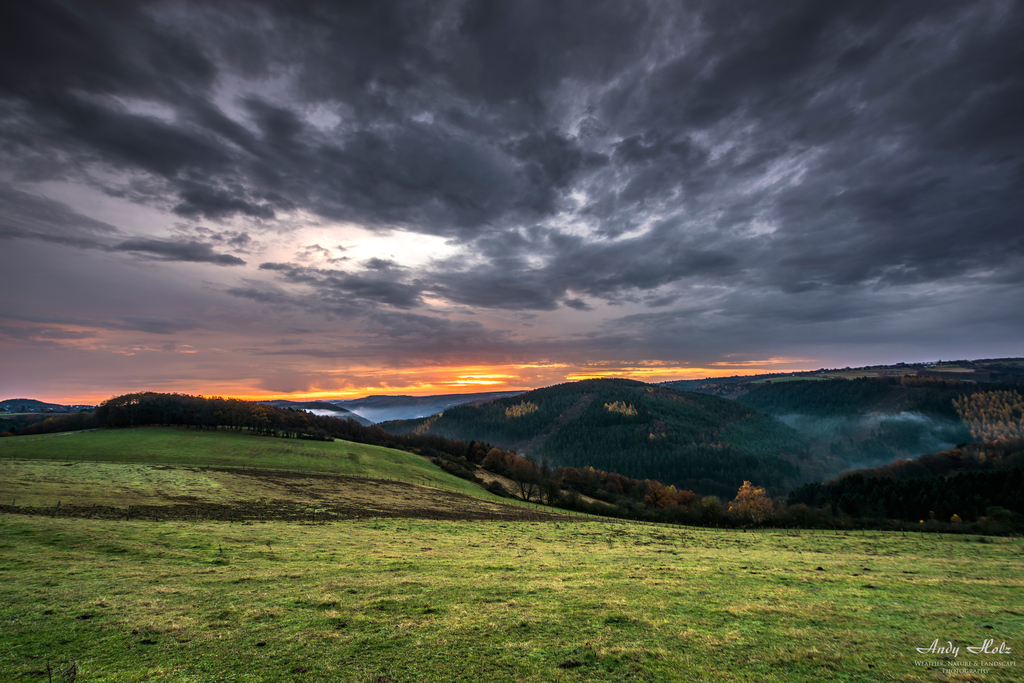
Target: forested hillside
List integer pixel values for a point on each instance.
(871, 421)
(44, 423)
(703, 443)
(844, 397)
(971, 482)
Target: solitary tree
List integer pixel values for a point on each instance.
(751, 503)
(526, 478)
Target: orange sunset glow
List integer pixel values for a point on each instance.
(425, 381)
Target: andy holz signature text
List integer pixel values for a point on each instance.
(988, 648)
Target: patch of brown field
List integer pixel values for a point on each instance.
(487, 477)
(290, 496)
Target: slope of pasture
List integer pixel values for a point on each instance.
(179, 446)
(166, 473)
(407, 600)
(102, 490)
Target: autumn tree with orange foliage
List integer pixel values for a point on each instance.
(659, 495)
(751, 503)
(497, 460)
(685, 499)
(993, 415)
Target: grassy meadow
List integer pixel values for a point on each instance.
(171, 473)
(201, 448)
(412, 600)
(152, 446)
(405, 576)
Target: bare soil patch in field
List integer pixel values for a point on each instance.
(168, 493)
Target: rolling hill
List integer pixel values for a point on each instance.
(997, 370)
(384, 408)
(843, 397)
(322, 408)
(177, 473)
(31, 405)
(869, 421)
(704, 443)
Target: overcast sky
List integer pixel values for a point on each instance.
(263, 198)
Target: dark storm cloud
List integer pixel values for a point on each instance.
(235, 240)
(459, 170)
(29, 216)
(600, 269)
(199, 200)
(869, 98)
(154, 325)
(57, 46)
(378, 284)
(629, 152)
(191, 251)
(551, 162)
(43, 335)
(578, 304)
(149, 324)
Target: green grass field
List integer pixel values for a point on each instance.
(176, 446)
(405, 600)
(177, 474)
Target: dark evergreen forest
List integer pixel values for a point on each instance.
(969, 495)
(968, 481)
(846, 397)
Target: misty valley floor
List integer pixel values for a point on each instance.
(405, 600)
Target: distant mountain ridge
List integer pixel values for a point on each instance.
(694, 441)
(322, 408)
(385, 408)
(31, 405)
(1004, 370)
